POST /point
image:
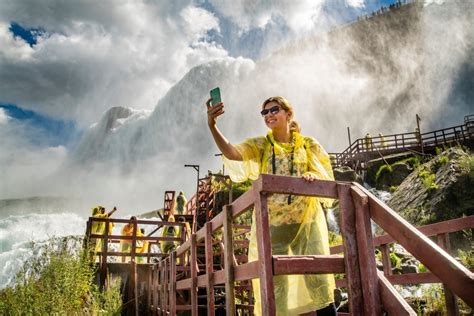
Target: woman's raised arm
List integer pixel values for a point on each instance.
(227, 149)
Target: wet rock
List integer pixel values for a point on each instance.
(347, 174)
(438, 190)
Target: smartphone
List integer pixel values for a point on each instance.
(215, 96)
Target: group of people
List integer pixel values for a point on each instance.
(369, 144)
(141, 245)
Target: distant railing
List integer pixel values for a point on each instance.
(365, 149)
(369, 290)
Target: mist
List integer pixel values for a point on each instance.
(372, 76)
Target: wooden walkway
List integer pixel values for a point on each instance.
(363, 150)
(209, 272)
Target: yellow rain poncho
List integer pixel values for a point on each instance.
(142, 247)
(180, 204)
(98, 228)
(297, 223)
(169, 231)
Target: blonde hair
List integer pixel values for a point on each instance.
(285, 105)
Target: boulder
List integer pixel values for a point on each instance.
(347, 174)
(393, 176)
(438, 190)
(374, 165)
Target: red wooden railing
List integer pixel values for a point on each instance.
(369, 290)
(365, 149)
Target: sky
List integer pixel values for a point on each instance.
(63, 64)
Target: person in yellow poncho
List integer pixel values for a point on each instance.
(297, 223)
(126, 245)
(169, 231)
(98, 228)
(180, 203)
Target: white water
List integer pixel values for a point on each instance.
(18, 232)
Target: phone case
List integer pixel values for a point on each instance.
(215, 96)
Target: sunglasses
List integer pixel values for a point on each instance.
(273, 110)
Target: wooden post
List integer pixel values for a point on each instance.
(387, 263)
(134, 240)
(265, 262)
(103, 270)
(193, 263)
(351, 257)
(209, 269)
(451, 304)
(149, 301)
(133, 289)
(172, 288)
(166, 288)
(229, 261)
(161, 286)
(368, 268)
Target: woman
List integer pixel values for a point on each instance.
(297, 223)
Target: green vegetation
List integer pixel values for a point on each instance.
(384, 169)
(59, 281)
(428, 178)
(395, 261)
(439, 162)
(413, 162)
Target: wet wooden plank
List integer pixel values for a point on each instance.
(209, 269)
(393, 302)
(295, 186)
(449, 297)
(246, 271)
(351, 255)
(310, 264)
(229, 260)
(194, 272)
(264, 254)
(367, 264)
(172, 288)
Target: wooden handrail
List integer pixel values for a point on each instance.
(371, 290)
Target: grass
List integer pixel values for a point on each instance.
(59, 281)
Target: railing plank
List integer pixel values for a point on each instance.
(393, 302)
(295, 185)
(267, 295)
(368, 268)
(348, 229)
(457, 277)
(310, 264)
(209, 269)
(229, 261)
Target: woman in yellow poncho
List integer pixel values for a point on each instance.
(297, 223)
(98, 228)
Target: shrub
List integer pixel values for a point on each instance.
(58, 281)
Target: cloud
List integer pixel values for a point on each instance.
(93, 57)
(356, 3)
(298, 15)
(25, 166)
(3, 117)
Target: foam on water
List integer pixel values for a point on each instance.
(18, 232)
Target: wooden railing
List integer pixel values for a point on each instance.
(365, 149)
(369, 290)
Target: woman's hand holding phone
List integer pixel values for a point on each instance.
(213, 112)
